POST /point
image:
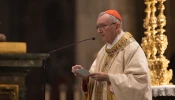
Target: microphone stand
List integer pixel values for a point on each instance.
(47, 55)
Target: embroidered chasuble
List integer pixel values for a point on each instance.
(127, 68)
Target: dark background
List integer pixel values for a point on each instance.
(49, 24)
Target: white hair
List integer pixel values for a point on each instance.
(113, 19)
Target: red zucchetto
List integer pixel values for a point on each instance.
(114, 13)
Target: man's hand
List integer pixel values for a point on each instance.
(101, 76)
(77, 74)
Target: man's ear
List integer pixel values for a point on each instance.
(117, 27)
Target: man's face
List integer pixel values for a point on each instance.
(106, 29)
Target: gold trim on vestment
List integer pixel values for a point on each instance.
(126, 39)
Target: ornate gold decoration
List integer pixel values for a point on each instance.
(13, 47)
(155, 43)
(126, 39)
(9, 92)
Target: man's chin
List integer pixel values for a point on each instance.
(103, 39)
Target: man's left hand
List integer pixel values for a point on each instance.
(100, 76)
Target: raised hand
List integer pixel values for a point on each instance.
(77, 74)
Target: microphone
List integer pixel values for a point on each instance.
(93, 38)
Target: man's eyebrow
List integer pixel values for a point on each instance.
(101, 24)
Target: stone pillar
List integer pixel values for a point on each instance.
(24, 71)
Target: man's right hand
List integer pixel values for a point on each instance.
(77, 74)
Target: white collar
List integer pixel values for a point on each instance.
(109, 46)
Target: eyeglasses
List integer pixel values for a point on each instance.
(102, 26)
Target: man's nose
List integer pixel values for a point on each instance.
(99, 30)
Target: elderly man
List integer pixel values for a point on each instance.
(120, 71)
